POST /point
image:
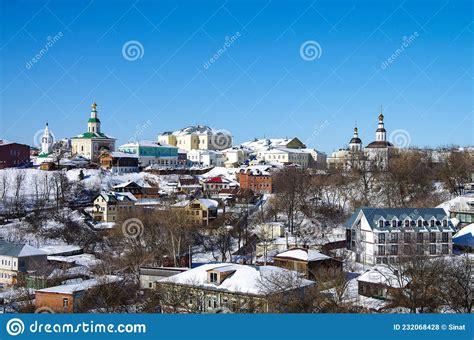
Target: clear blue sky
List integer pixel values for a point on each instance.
(260, 86)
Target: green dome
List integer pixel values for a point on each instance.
(93, 120)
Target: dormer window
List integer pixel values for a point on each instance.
(432, 223)
(407, 223)
(381, 223)
(213, 278)
(420, 223)
(394, 223)
(445, 223)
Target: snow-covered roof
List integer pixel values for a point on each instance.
(243, 278)
(469, 229)
(197, 129)
(259, 170)
(303, 255)
(208, 202)
(113, 196)
(145, 143)
(118, 154)
(81, 286)
(60, 249)
(87, 260)
(383, 275)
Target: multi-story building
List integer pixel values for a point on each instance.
(257, 178)
(18, 258)
(382, 235)
(201, 211)
(91, 143)
(13, 155)
(222, 287)
(209, 158)
(119, 162)
(152, 153)
(198, 137)
(108, 205)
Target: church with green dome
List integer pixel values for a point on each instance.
(92, 142)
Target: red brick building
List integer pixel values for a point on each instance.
(13, 154)
(257, 178)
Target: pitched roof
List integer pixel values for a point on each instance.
(373, 216)
(243, 279)
(81, 286)
(19, 249)
(303, 255)
(92, 135)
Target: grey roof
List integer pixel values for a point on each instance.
(373, 215)
(19, 249)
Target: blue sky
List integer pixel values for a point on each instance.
(259, 86)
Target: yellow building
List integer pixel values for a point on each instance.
(198, 137)
(108, 205)
(89, 144)
(201, 210)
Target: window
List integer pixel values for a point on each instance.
(379, 261)
(407, 237)
(394, 224)
(65, 302)
(213, 277)
(445, 249)
(407, 223)
(433, 249)
(394, 238)
(419, 237)
(445, 223)
(420, 222)
(394, 250)
(150, 284)
(432, 223)
(381, 238)
(433, 237)
(212, 302)
(381, 223)
(445, 237)
(381, 250)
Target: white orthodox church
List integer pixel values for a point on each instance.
(379, 150)
(47, 142)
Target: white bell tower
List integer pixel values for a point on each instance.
(47, 141)
(381, 133)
